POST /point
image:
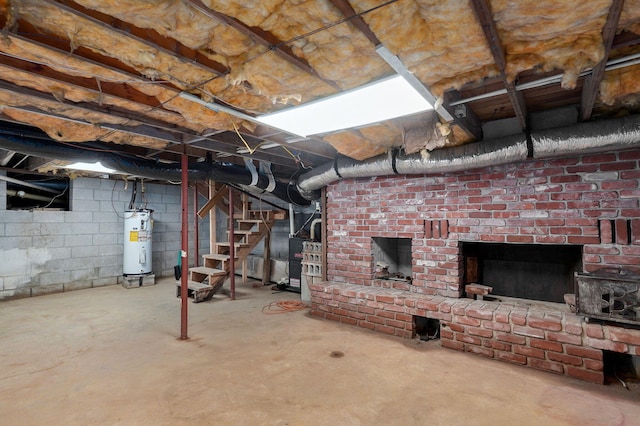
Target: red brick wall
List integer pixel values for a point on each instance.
(590, 200)
(550, 340)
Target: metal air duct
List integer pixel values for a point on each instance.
(219, 172)
(589, 137)
(476, 155)
(581, 138)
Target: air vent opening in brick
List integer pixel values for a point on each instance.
(426, 328)
(621, 369)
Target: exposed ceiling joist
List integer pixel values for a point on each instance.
(262, 37)
(345, 8)
(157, 130)
(140, 129)
(35, 164)
(163, 44)
(625, 39)
(592, 81)
(482, 9)
(118, 90)
(468, 122)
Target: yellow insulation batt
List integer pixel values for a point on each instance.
(441, 42)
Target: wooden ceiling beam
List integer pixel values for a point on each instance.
(593, 80)
(261, 37)
(58, 46)
(347, 10)
(625, 39)
(313, 149)
(482, 9)
(468, 122)
(164, 44)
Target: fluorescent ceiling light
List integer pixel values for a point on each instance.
(90, 167)
(383, 100)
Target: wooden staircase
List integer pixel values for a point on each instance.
(250, 227)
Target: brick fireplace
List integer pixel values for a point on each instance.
(588, 204)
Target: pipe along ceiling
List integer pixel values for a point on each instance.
(256, 182)
(581, 138)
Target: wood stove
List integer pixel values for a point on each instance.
(609, 294)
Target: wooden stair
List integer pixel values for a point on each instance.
(199, 283)
(250, 228)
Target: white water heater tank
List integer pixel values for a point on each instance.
(138, 225)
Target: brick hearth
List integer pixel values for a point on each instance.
(591, 201)
(555, 341)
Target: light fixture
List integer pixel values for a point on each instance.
(90, 167)
(382, 100)
(269, 145)
(265, 146)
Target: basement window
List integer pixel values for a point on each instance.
(25, 191)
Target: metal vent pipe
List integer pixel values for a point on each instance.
(219, 172)
(581, 138)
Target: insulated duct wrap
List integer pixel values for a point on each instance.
(471, 156)
(317, 178)
(219, 172)
(594, 136)
(381, 165)
(481, 154)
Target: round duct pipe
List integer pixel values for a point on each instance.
(219, 172)
(588, 137)
(581, 138)
(476, 155)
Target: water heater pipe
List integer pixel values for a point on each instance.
(292, 222)
(314, 222)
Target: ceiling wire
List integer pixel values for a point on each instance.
(303, 36)
(331, 25)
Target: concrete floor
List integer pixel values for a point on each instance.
(110, 356)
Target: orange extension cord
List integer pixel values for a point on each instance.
(283, 306)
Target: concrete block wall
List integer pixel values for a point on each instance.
(55, 251)
(576, 201)
(552, 340)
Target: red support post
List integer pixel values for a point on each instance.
(184, 279)
(232, 248)
(196, 237)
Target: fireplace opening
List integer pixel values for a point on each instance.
(392, 258)
(524, 271)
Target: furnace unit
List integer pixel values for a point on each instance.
(295, 263)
